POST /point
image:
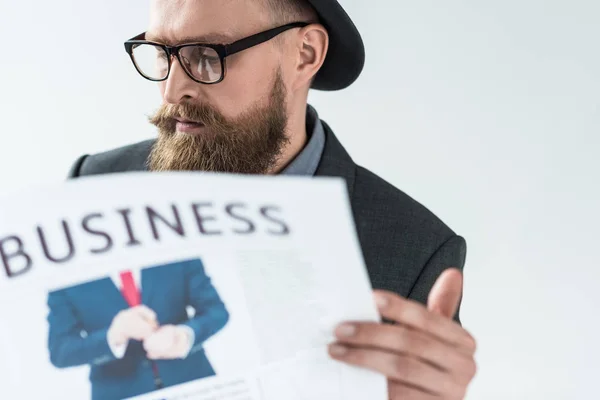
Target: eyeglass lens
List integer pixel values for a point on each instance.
(203, 63)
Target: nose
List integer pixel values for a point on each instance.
(179, 87)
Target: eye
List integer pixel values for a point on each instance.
(208, 54)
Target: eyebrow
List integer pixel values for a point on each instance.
(212, 38)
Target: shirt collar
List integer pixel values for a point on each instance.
(307, 161)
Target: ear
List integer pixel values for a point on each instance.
(311, 50)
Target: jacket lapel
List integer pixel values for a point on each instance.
(336, 162)
(136, 159)
(113, 299)
(147, 285)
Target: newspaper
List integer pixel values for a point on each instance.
(181, 286)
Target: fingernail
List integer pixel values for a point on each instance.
(338, 350)
(346, 330)
(381, 301)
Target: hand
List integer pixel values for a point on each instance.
(168, 343)
(426, 355)
(135, 323)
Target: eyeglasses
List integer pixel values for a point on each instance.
(203, 63)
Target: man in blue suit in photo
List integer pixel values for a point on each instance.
(135, 329)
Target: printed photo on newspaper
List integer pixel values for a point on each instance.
(181, 286)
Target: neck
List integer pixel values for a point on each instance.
(296, 132)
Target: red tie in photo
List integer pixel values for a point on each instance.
(133, 298)
(129, 290)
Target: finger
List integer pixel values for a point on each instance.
(149, 344)
(400, 391)
(446, 293)
(404, 340)
(142, 329)
(153, 356)
(399, 368)
(153, 347)
(147, 314)
(164, 335)
(416, 316)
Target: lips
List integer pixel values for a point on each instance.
(188, 122)
(189, 127)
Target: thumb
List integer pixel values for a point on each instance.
(147, 314)
(446, 293)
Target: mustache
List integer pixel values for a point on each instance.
(165, 118)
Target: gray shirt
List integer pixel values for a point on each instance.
(307, 161)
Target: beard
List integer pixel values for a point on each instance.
(251, 143)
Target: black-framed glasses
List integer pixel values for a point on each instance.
(203, 62)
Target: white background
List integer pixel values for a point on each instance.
(485, 111)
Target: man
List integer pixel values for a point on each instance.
(234, 78)
(134, 330)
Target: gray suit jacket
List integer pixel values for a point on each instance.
(405, 246)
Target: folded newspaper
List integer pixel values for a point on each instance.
(181, 286)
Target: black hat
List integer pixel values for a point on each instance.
(346, 55)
